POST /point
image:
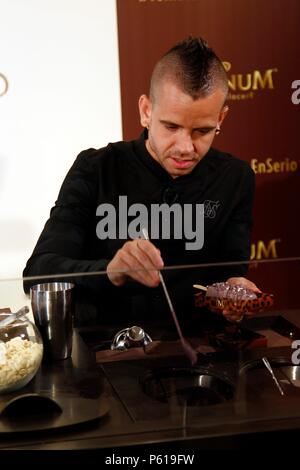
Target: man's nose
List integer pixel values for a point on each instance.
(185, 144)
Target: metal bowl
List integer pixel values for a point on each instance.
(191, 386)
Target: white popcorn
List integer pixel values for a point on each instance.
(2, 353)
(19, 358)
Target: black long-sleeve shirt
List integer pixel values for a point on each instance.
(68, 243)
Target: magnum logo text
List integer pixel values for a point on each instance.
(165, 1)
(264, 250)
(3, 84)
(243, 86)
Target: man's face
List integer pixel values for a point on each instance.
(181, 130)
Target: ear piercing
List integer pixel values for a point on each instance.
(218, 130)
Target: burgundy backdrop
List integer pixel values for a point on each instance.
(258, 41)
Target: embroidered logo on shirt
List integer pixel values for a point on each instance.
(210, 208)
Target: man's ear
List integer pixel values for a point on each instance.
(223, 114)
(145, 107)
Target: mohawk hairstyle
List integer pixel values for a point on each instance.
(193, 66)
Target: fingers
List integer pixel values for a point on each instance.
(138, 260)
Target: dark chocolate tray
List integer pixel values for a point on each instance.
(98, 338)
(234, 338)
(277, 323)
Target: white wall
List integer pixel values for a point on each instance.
(61, 61)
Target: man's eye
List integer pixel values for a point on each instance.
(171, 127)
(204, 131)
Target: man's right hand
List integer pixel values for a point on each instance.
(140, 259)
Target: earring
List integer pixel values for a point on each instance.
(218, 130)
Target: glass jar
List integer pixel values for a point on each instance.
(21, 352)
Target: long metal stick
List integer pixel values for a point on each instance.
(270, 369)
(190, 352)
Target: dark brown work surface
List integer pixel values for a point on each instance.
(135, 418)
(62, 394)
(271, 331)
